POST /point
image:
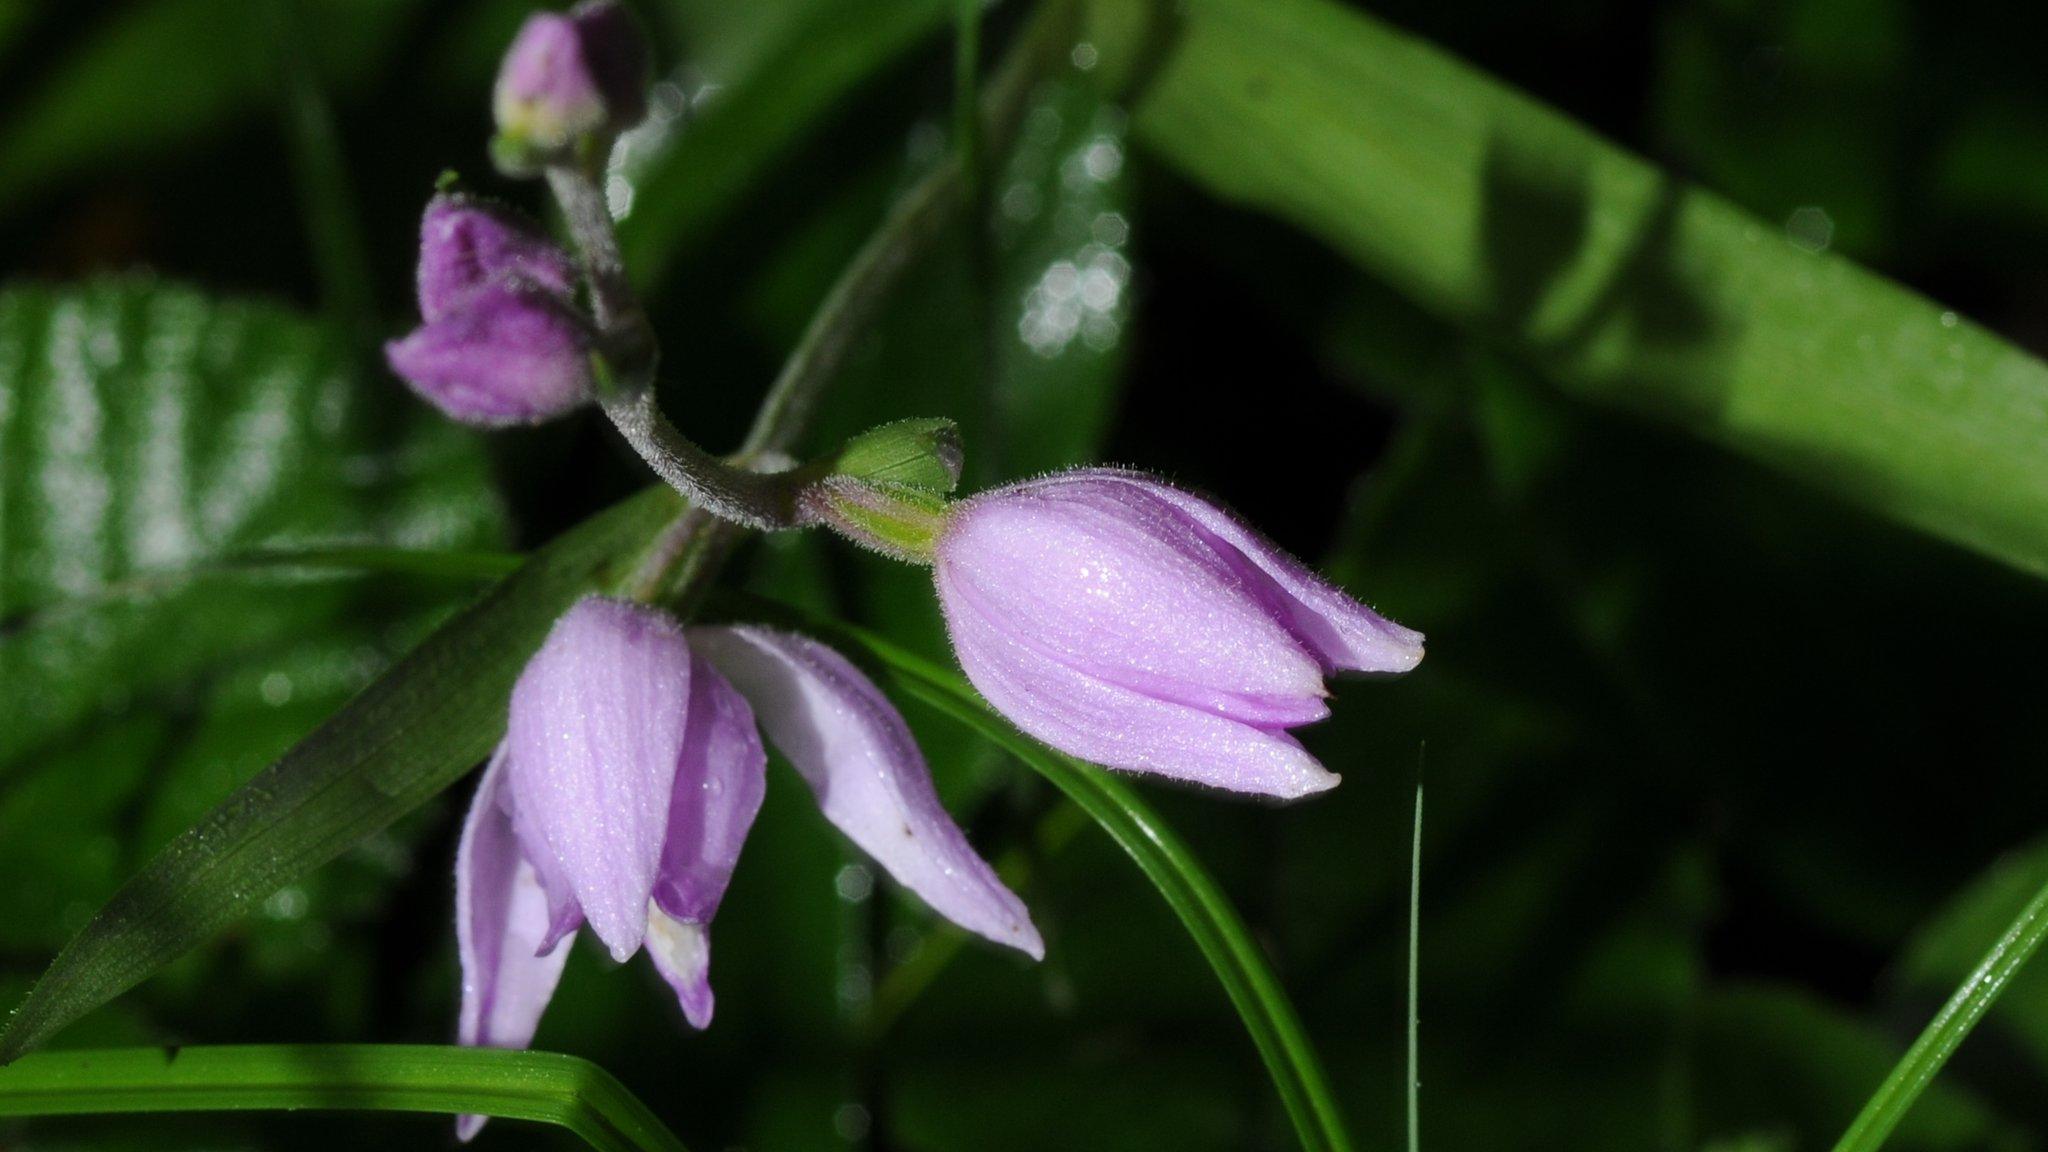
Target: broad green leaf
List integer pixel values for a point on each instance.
(414, 731)
(153, 442)
(1204, 910)
(148, 434)
(537, 1086)
(1626, 286)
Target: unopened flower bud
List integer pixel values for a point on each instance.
(502, 341)
(467, 244)
(510, 353)
(921, 453)
(568, 79)
(1127, 622)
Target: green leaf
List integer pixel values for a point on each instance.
(538, 1086)
(1172, 868)
(413, 732)
(149, 434)
(157, 446)
(1626, 286)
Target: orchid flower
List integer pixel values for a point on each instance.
(629, 776)
(1127, 622)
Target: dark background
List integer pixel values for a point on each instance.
(1728, 784)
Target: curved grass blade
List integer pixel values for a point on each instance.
(1946, 1032)
(545, 1087)
(1167, 862)
(413, 732)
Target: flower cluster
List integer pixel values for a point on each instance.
(1109, 614)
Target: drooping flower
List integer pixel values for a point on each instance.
(502, 341)
(1127, 622)
(630, 773)
(569, 76)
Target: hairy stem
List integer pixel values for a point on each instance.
(627, 396)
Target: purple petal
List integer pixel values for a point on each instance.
(1107, 578)
(596, 734)
(1120, 728)
(718, 790)
(1344, 633)
(853, 749)
(512, 354)
(466, 244)
(501, 916)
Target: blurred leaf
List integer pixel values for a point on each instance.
(537, 1086)
(1780, 1060)
(776, 70)
(151, 434)
(416, 730)
(153, 439)
(1752, 100)
(153, 76)
(1626, 286)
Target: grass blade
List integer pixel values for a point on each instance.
(1946, 1032)
(413, 732)
(1237, 960)
(1627, 287)
(1415, 981)
(538, 1086)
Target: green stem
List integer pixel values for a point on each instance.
(1895, 1097)
(538, 1086)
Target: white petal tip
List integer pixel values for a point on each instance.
(1030, 944)
(1302, 787)
(466, 1127)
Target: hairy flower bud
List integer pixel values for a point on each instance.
(1127, 622)
(503, 342)
(467, 244)
(566, 79)
(511, 353)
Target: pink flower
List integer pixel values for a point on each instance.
(1127, 622)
